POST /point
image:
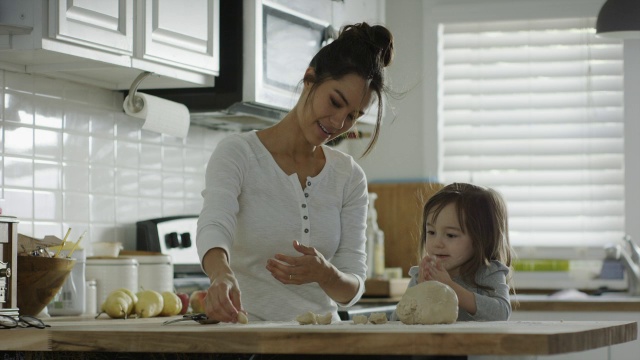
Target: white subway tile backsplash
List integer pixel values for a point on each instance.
(18, 203)
(127, 154)
(47, 205)
(172, 207)
(18, 107)
(49, 113)
(47, 175)
(48, 144)
(149, 208)
(102, 123)
(75, 147)
(195, 160)
(126, 182)
(150, 156)
(173, 158)
(126, 209)
(70, 157)
(150, 184)
(18, 139)
(103, 209)
(102, 151)
(75, 177)
(76, 118)
(76, 207)
(18, 172)
(43, 228)
(172, 185)
(102, 180)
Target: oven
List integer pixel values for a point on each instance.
(175, 236)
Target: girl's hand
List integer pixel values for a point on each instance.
(431, 269)
(222, 302)
(297, 270)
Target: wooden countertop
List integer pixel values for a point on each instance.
(528, 302)
(592, 303)
(470, 338)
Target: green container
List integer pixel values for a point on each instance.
(541, 265)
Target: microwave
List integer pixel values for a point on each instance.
(265, 48)
(285, 42)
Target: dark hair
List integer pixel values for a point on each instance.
(360, 49)
(482, 214)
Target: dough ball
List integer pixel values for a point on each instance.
(360, 319)
(378, 318)
(324, 319)
(308, 318)
(430, 302)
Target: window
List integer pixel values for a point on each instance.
(534, 109)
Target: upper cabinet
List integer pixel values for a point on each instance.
(107, 43)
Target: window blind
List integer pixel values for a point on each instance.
(534, 109)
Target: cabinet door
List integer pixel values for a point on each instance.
(183, 34)
(102, 24)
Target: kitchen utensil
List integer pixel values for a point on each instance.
(39, 280)
(76, 244)
(63, 242)
(199, 318)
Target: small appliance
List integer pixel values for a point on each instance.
(8, 266)
(175, 236)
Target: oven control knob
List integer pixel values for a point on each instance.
(5, 272)
(171, 240)
(186, 240)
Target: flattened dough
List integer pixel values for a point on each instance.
(308, 318)
(430, 302)
(324, 319)
(378, 318)
(360, 319)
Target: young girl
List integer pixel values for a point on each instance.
(465, 243)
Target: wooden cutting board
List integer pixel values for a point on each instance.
(399, 207)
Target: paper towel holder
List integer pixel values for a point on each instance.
(136, 103)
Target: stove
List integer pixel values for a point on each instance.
(175, 236)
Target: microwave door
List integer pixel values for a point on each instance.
(289, 42)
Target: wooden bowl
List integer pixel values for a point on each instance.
(39, 280)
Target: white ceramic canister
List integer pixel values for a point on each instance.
(70, 300)
(155, 272)
(112, 274)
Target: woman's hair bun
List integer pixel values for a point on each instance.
(383, 38)
(378, 36)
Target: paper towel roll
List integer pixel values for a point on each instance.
(161, 115)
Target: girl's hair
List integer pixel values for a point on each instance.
(482, 214)
(360, 49)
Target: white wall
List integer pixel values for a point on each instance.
(408, 147)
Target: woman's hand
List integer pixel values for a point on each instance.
(298, 270)
(222, 302)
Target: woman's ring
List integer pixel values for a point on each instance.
(290, 277)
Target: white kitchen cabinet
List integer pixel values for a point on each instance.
(107, 43)
(626, 351)
(179, 34)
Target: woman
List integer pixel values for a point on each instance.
(284, 216)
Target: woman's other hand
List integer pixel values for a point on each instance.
(298, 270)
